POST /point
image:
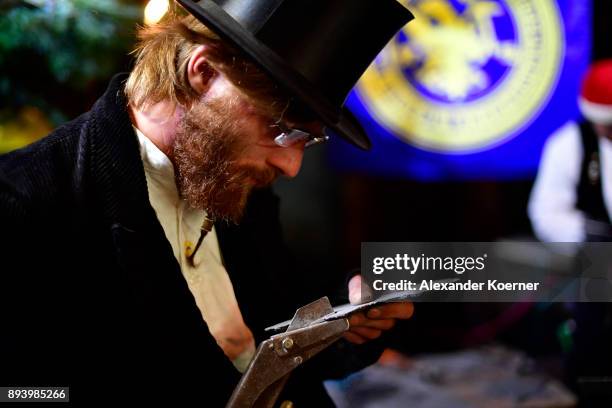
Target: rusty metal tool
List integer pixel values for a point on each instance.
(314, 327)
(276, 357)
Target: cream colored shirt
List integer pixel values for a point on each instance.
(208, 280)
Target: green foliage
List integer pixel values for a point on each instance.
(51, 47)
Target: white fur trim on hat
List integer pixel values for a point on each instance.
(596, 112)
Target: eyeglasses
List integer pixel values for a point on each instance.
(292, 136)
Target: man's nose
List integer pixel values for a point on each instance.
(287, 159)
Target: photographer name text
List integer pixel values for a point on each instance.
(431, 285)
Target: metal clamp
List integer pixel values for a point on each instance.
(313, 328)
(278, 356)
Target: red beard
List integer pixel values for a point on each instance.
(205, 151)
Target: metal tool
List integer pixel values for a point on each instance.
(276, 357)
(314, 327)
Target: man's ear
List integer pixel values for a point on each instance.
(199, 72)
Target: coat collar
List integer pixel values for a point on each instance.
(116, 165)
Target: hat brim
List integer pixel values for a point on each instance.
(338, 119)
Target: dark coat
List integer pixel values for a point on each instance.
(91, 294)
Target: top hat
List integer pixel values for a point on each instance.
(315, 49)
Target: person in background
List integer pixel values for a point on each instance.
(571, 201)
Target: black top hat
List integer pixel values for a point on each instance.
(316, 49)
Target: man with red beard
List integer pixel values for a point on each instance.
(143, 254)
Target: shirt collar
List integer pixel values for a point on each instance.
(157, 164)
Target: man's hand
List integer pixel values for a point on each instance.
(370, 325)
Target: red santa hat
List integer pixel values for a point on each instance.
(595, 100)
